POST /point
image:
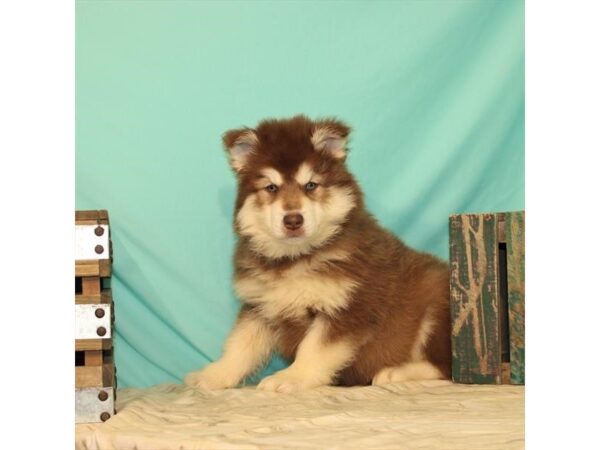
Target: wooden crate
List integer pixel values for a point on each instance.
(487, 292)
(95, 372)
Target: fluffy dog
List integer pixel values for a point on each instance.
(320, 281)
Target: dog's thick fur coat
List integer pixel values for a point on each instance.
(320, 280)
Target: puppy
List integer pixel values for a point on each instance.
(321, 282)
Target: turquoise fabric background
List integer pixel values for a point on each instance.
(433, 89)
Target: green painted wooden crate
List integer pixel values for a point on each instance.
(487, 294)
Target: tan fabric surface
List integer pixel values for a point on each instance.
(412, 415)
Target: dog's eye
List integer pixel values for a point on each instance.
(310, 186)
(272, 188)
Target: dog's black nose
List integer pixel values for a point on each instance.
(293, 221)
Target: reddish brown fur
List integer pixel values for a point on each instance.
(396, 284)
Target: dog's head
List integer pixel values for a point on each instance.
(294, 191)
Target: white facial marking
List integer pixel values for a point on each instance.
(272, 175)
(304, 174)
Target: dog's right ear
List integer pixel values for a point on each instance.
(239, 145)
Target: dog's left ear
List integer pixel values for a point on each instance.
(331, 136)
(239, 144)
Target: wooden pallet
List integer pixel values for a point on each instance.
(91, 217)
(94, 368)
(95, 372)
(487, 291)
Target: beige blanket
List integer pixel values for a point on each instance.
(412, 415)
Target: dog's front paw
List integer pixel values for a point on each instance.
(213, 376)
(288, 380)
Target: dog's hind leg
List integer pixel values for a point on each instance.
(421, 370)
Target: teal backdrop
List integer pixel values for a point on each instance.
(434, 91)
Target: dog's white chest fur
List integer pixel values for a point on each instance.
(289, 294)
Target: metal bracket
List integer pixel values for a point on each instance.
(92, 242)
(93, 321)
(94, 404)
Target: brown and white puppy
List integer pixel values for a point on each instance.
(319, 279)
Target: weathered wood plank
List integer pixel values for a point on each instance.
(505, 375)
(105, 297)
(474, 299)
(501, 224)
(93, 358)
(93, 267)
(91, 286)
(503, 337)
(93, 344)
(515, 246)
(91, 217)
(94, 376)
